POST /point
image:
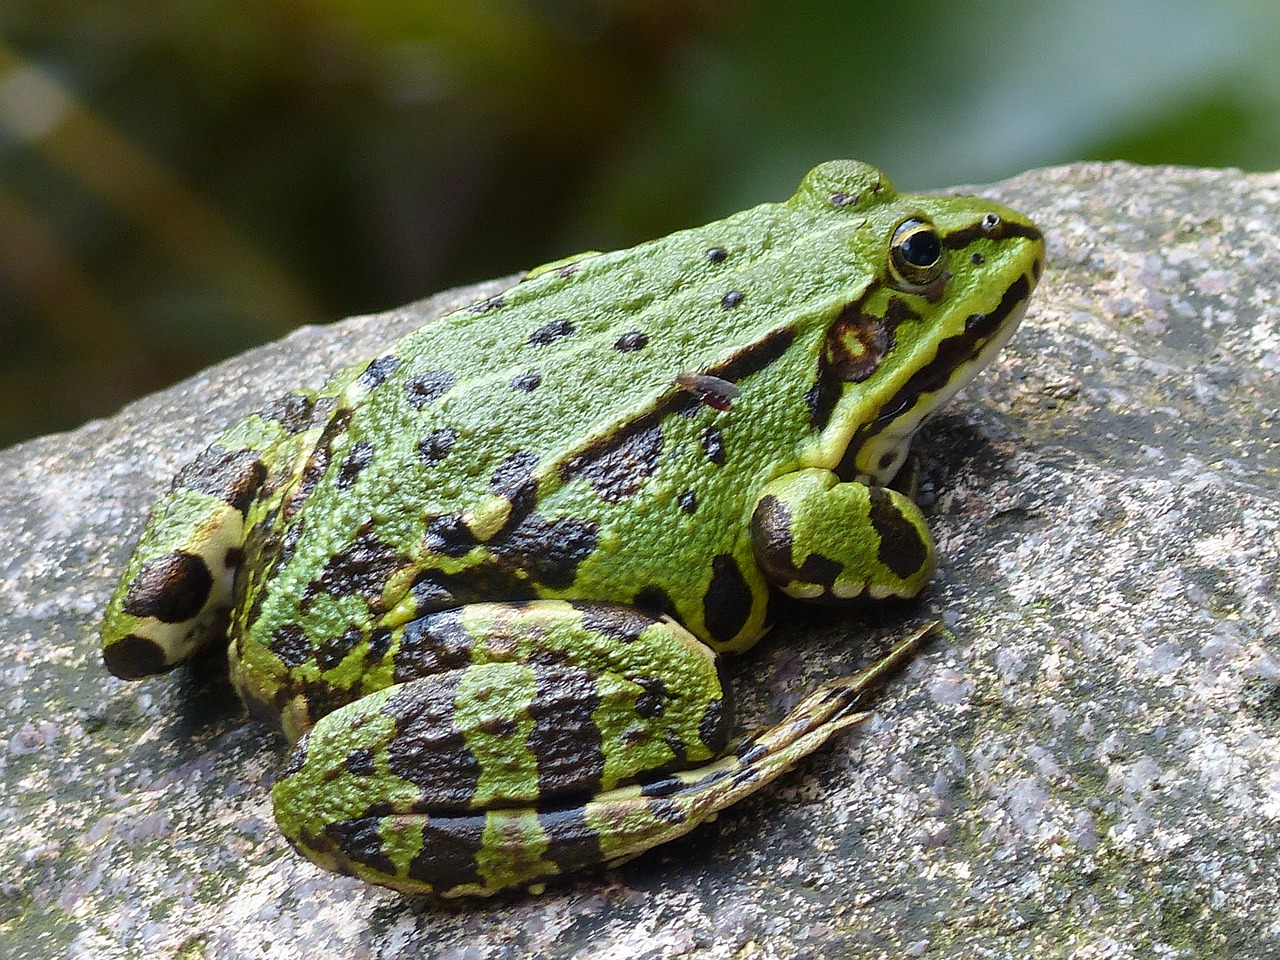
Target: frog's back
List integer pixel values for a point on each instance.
(539, 444)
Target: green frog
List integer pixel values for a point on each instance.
(482, 581)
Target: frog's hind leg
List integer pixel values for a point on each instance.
(173, 598)
(577, 736)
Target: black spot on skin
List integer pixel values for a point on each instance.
(490, 303)
(378, 645)
(318, 462)
(526, 382)
(429, 750)
(437, 445)
(728, 600)
(572, 843)
(360, 569)
(360, 762)
(549, 551)
(290, 644)
(331, 651)
(717, 254)
(448, 535)
(716, 724)
(619, 466)
(231, 559)
(657, 600)
(977, 259)
(713, 445)
(731, 299)
(631, 342)
(433, 644)
(233, 477)
(661, 786)
(359, 842)
(564, 737)
(424, 389)
(842, 199)
(133, 657)
(172, 589)
(821, 399)
(359, 457)
(688, 501)
(437, 590)
(665, 810)
(613, 620)
(450, 846)
(772, 542)
(292, 412)
(901, 549)
(377, 371)
(653, 702)
(550, 332)
(514, 480)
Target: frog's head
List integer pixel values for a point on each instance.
(951, 278)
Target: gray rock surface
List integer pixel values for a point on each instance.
(1088, 768)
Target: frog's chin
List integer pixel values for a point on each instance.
(879, 458)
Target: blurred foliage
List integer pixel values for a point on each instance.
(180, 179)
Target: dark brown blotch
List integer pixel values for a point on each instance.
(433, 644)
(377, 371)
(526, 382)
(133, 657)
(713, 445)
(361, 569)
(613, 620)
(436, 445)
(728, 600)
(564, 737)
(233, 477)
(292, 412)
(901, 549)
(571, 842)
(631, 342)
(358, 457)
(618, 466)
(548, 551)
(688, 501)
(429, 750)
(550, 332)
(172, 589)
(289, 642)
(424, 389)
(359, 841)
(731, 299)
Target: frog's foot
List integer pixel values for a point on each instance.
(505, 773)
(818, 538)
(174, 596)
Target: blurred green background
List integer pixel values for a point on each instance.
(181, 179)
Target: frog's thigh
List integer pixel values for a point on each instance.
(477, 778)
(819, 538)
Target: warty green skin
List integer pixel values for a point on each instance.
(482, 580)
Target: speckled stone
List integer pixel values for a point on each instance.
(1088, 768)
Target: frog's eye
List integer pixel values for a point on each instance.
(916, 254)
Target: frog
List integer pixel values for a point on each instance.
(486, 583)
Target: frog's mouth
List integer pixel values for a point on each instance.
(877, 450)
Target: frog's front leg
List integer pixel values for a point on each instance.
(558, 736)
(819, 538)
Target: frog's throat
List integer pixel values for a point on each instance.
(876, 451)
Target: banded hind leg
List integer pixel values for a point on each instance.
(544, 737)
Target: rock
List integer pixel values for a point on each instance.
(1088, 767)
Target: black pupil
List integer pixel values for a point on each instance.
(922, 248)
